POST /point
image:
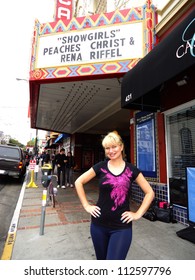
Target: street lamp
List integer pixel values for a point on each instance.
(19, 79)
(36, 146)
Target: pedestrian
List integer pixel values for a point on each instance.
(111, 217)
(61, 160)
(42, 157)
(69, 170)
(47, 157)
(53, 161)
(27, 158)
(36, 170)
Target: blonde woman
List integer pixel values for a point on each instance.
(111, 217)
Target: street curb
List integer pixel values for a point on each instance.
(11, 236)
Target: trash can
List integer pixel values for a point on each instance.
(46, 169)
(45, 181)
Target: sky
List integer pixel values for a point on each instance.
(17, 22)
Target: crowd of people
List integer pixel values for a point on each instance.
(64, 164)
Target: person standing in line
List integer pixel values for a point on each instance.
(111, 217)
(69, 170)
(46, 158)
(61, 160)
(42, 158)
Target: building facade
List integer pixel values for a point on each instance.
(166, 101)
(80, 73)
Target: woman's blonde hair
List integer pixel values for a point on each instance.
(113, 138)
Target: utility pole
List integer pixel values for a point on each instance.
(36, 143)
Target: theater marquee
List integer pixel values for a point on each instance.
(95, 45)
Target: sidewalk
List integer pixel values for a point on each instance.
(66, 230)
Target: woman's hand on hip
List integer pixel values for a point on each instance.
(94, 210)
(129, 216)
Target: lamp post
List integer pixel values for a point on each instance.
(21, 79)
(36, 146)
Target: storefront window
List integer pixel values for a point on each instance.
(181, 151)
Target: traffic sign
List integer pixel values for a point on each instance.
(32, 164)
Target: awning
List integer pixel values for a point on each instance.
(50, 144)
(142, 86)
(61, 136)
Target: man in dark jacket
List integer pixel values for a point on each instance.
(61, 160)
(47, 157)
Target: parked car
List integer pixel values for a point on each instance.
(12, 161)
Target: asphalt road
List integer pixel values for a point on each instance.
(9, 194)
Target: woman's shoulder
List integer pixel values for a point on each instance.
(131, 165)
(100, 164)
(133, 168)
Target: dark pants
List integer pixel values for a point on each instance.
(111, 244)
(59, 171)
(53, 166)
(69, 176)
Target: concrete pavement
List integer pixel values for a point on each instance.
(66, 233)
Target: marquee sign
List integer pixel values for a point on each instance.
(111, 43)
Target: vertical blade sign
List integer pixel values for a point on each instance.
(63, 10)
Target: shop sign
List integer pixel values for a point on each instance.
(63, 10)
(190, 172)
(112, 43)
(146, 143)
(188, 42)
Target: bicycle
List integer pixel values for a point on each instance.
(50, 183)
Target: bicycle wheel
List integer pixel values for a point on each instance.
(52, 195)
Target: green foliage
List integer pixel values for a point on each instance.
(31, 143)
(16, 142)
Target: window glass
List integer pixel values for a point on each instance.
(181, 127)
(181, 152)
(9, 153)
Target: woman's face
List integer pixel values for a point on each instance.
(113, 151)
